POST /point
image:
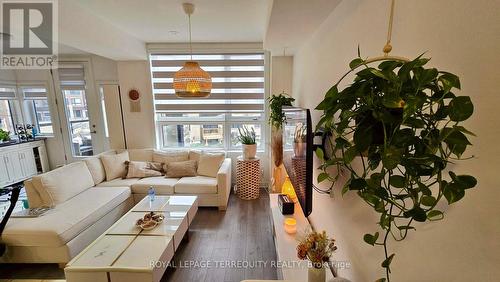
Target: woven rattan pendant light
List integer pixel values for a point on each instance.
(191, 81)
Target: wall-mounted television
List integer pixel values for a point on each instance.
(298, 154)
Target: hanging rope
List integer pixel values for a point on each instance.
(388, 46)
(190, 43)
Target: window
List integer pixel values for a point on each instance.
(237, 99)
(37, 109)
(6, 120)
(7, 98)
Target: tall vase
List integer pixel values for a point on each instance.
(315, 274)
(277, 159)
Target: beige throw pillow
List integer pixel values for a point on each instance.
(137, 169)
(209, 163)
(180, 169)
(115, 166)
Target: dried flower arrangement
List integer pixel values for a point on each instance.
(316, 247)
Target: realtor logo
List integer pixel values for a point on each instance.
(29, 34)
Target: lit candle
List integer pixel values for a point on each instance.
(290, 225)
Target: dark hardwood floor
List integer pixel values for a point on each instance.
(223, 247)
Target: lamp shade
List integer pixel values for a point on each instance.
(191, 81)
(288, 190)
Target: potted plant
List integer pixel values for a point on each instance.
(276, 119)
(299, 140)
(4, 135)
(317, 248)
(403, 122)
(247, 139)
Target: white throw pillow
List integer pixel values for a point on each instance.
(115, 166)
(209, 163)
(96, 169)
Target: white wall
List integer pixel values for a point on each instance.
(139, 126)
(462, 37)
(281, 74)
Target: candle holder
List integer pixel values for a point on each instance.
(290, 225)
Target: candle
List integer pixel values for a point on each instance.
(290, 225)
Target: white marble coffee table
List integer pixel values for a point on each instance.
(126, 253)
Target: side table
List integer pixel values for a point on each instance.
(247, 178)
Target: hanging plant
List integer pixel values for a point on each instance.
(404, 123)
(276, 116)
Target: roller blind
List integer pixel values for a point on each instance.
(71, 76)
(237, 82)
(34, 92)
(7, 92)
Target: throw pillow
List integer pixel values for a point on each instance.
(172, 156)
(209, 164)
(180, 169)
(137, 169)
(115, 166)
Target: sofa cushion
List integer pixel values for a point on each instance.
(119, 182)
(96, 169)
(61, 184)
(196, 185)
(162, 185)
(142, 155)
(194, 155)
(137, 169)
(65, 221)
(209, 164)
(180, 169)
(171, 156)
(114, 165)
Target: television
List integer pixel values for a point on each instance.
(298, 154)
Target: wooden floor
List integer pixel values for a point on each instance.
(223, 247)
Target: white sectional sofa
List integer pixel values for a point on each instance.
(85, 205)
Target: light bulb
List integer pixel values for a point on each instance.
(193, 86)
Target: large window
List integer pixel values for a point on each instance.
(7, 97)
(37, 108)
(237, 100)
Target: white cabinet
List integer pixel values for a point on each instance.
(21, 161)
(4, 174)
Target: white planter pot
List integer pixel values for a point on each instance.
(249, 151)
(316, 274)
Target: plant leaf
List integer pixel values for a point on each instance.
(387, 262)
(356, 63)
(428, 200)
(435, 215)
(322, 177)
(397, 181)
(460, 108)
(371, 239)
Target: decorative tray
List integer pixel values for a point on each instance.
(149, 221)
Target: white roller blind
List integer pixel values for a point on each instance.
(34, 92)
(71, 75)
(237, 83)
(7, 92)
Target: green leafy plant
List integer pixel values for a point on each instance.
(403, 121)
(4, 135)
(276, 116)
(247, 136)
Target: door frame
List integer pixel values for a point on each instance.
(95, 114)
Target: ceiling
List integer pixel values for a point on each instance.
(120, 29)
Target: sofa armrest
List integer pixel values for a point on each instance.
(224, 183)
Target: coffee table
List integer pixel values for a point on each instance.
(127, 253)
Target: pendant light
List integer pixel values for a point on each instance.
(191, 81)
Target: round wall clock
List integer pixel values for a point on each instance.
(134, 95)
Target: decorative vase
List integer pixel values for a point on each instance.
(315, 274)
(277, 159)
(249, 151)
(299, 149)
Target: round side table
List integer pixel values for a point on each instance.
(247, 178)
